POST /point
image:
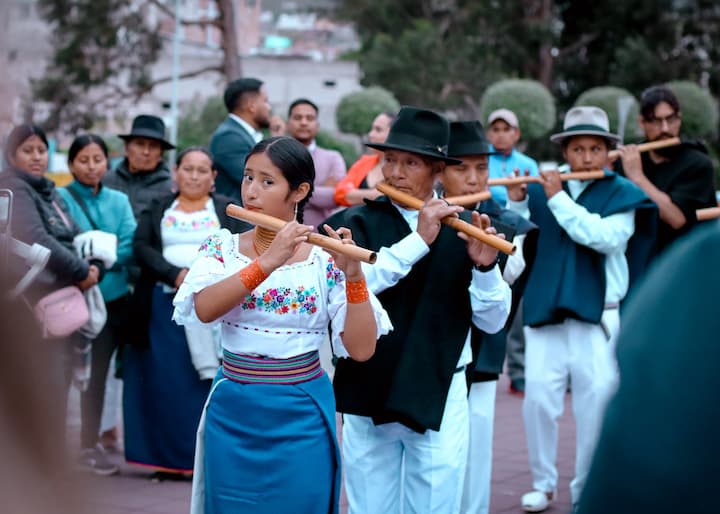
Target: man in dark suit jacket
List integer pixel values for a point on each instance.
(248, 113)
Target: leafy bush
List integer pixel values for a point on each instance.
(196, 125)
(699, 109)
(356, 111)
(607, 98)
(347, 150)
(531, 102)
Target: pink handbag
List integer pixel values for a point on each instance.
(62, 312)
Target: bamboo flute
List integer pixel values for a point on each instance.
(468, 199)
(456, 223)
(708, 213)
(646, 147)
(575, 175)
(275, 224)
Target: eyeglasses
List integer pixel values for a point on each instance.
(670, 119)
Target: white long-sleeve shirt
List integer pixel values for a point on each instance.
(489, 294)
(607, 235)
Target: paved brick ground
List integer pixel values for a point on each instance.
(133, 492)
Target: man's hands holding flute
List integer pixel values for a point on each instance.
(430, 220)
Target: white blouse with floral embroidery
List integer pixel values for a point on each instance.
(287, 315)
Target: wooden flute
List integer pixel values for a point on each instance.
(575, 175)
(708, 213)
(646, 147)
(468, 199)
(461, 226)
(275, 224)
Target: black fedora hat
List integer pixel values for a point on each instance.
(467, 138)
(151, 127)
(418, 131)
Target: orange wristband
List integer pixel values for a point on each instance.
(252, 275)
(356, 292)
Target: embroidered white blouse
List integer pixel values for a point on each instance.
(287, 315)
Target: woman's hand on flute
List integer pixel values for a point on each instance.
(349, 266)
(480, 253)
(284, 245)
(517, 192)
(430, 218)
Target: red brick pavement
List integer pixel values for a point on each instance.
(133, 492)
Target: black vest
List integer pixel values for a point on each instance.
(408, 378)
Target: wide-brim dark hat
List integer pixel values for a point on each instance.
(468, 138)
(419, 131)
(150, 127)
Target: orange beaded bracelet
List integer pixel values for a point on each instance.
(252, 275)
(356, 292)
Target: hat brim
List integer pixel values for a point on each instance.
(433, 155)
(560, 136)
(149, 135)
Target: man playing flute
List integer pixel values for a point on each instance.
(679, 179)
(571, 304)
(409, 401)
(468, 143)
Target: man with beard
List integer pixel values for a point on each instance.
(330, 167)
(248, 108)
(679, 179)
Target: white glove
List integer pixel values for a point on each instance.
(96, 244)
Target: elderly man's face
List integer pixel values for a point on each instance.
(409, 173)
(143, 154)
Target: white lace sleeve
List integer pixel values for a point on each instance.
(337, 309)
(207, 268)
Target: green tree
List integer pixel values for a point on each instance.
(699, 109)
(102, 53)
(197, 124)
(356, 111)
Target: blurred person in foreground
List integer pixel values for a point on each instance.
(468, 143)
(248, 107)
(166, 370)
(658, 447)
(330, 169)
(595, 239)
(359, 183)
(679, 179)
(97, 208)
(34, 478)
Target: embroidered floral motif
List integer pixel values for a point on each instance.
(190, 225)
(212, 247)
(333, 273)
(283, 300)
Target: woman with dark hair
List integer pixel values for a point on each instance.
(164, 385)
(361, 178)
(100, 212)
(41, 216)
(267, 442)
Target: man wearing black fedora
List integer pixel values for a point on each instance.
(595, 240)
(142, 174)
(468, 144)
(408, 403)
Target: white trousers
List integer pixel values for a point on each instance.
(586, 353)
(481, 406)
(434, 462)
